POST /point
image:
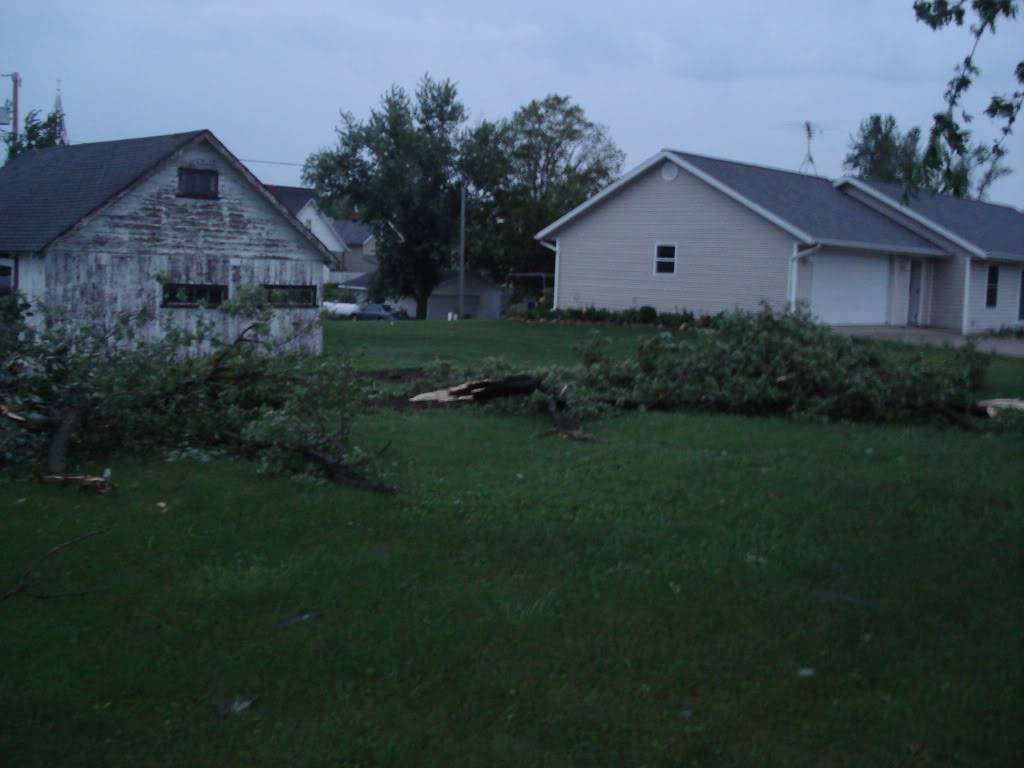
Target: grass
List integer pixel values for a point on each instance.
(646, 600)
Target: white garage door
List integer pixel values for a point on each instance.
(850, 289)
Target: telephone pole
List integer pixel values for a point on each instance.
(462, 244)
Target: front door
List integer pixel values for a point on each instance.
(914, 307)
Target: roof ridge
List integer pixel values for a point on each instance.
(748, 164)
(940, 195)
(178, 135)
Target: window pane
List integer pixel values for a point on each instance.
(197, 182)
(665, 267)
(193, 295)
(992, 289)
(666, 252)
(291, 295)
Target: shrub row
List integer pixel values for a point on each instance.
(644, 315)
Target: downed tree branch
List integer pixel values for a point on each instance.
(335, 468)
(23, 588)
(481, 390)
(93, 483)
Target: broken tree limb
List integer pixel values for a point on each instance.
(23, 587)
(93, 483)
(996, 405)
(481, 390)
(336, 469)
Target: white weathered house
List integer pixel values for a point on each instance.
(170, 223)
(683, 231)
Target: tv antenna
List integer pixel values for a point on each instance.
(810, 131)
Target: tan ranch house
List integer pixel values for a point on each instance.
(175, 224)
(683, 231)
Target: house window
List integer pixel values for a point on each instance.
(664, 259)
(197, 182)
(194, 295)
(992, 287)
(292, 295)
(6, 281)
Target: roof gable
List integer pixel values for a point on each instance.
(45, 192)
(352, 233)
(808, 208)
(292, 198)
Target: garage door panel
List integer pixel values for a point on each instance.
(849, 289)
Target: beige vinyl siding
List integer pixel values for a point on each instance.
(726, 256)
(947, 294)
(1005, 313)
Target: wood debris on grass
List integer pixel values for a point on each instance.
(93, 483)
(997, 405)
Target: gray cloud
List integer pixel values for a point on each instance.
(731, 79)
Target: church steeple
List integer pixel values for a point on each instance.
(58, 110)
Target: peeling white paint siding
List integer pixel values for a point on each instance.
(109, 263)
(726, 256)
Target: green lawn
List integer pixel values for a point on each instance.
(647, 600)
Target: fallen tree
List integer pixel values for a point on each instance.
(89, 387)
(755, 363)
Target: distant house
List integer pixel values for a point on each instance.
(301, 203)
(360, 246)
(174, 224)
(683, 231)
(483, 298)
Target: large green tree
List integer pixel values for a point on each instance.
(880, 151)
(37, 134)
(552, 158)
(950, 149)
(400, 170)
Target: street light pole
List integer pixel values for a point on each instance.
(15, 84)
(462, 244)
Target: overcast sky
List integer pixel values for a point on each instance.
(730, 79)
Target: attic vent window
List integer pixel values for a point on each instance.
(197, 182)
(664, 259)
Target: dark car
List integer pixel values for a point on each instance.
(396, 312)
(371, 312)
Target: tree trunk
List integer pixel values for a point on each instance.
(421, 307)
(57, 460)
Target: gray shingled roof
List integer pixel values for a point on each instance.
(809, 203)
(292, 198)
(45, 192)
(352, 232)
(996, 229)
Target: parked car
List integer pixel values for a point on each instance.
(396, 312)
(371, 312)
(339, 308)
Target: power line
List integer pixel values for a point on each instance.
(271, 162)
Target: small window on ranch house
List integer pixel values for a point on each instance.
(665, 259)
(194, 295)
(197, 182)
(992, 287)
(6, 281)
(292, 295)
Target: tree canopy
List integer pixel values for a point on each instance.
(399, 169)
(949, 150)
(37, 134)
(402, 169)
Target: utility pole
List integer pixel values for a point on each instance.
(462, 243)
(15, 84)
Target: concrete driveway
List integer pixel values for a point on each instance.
(936, 337)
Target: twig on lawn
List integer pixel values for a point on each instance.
(23, 588)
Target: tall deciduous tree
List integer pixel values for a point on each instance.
(37, 134)
(554, 158)
(949, 149)
(400, 170)
(882, 152)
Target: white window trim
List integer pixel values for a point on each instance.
(675, 259)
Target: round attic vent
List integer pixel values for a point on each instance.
(669, 171)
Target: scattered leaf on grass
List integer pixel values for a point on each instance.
(297, 619)
(805, 672)
(235, 706)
